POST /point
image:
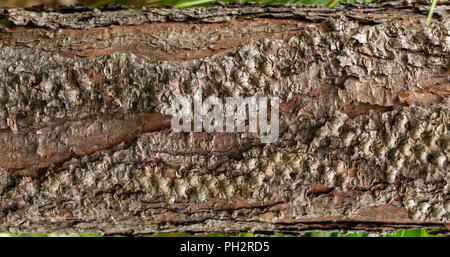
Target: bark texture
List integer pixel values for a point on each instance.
(85, 107)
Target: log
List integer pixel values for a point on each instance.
(87, 139)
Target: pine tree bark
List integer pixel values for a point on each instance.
(85, 108)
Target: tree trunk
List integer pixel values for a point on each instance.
(86, 95)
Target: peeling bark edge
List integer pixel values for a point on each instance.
(87, 18)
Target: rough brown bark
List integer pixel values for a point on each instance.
(86, 144)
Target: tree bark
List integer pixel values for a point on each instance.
(85, 107)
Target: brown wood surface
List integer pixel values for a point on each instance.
(85, 107)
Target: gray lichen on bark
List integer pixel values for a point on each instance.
(364, 120)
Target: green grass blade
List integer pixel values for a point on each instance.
(192, 3)
(430, 13)
(333, 3)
